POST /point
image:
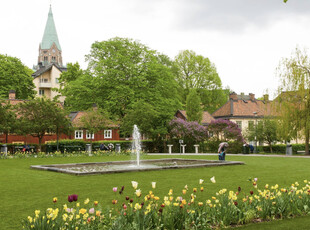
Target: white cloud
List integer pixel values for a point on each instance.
(245, 39)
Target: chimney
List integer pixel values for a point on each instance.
(12, 94)
(233, 96)
(252, 96)
(266, 97)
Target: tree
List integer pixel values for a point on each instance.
(294, 102)
(15, 76)
(95, 120)
(265, 131)
(122, 72)
(38, 117)
(190, 131)
(152, 122)
(194, 71)
(61, 123)
(225, 130)
(193, 107)
(8, 119)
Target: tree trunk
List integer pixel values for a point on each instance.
(40, 141)
(307, 143)
(270, 147)
(6, 137)
(57, 140)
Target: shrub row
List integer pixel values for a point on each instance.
(155, 147)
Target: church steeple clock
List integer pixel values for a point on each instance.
(49, 48)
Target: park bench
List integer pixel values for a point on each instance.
(301, 152)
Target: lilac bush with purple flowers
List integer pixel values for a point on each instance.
(225, 130)
(189, 131)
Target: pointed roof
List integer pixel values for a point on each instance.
(206, 116)
(44, 69)
(50, 34)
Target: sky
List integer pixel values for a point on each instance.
(245, 39)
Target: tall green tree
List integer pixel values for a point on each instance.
(294, 101)
(194, 71)
(193, 107)
(265, 131)
(8, 119)
(150, 119)
(120, 73)
(38, 117)
(14, 75)
(61, 123)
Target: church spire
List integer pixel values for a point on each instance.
(50, 49)
(50, 34)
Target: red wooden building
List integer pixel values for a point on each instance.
(109, 134)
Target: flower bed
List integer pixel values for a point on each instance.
(134, 209)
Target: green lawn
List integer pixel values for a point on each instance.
(24, 190)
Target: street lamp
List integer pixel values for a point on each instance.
(255, 115)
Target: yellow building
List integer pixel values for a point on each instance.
(49, 65)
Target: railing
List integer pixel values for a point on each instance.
(45, 85)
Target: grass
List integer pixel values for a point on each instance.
(24, 190)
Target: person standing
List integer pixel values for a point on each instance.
(222, 150)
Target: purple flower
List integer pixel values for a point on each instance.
(73, 197)
(70, 198)
(114, 189)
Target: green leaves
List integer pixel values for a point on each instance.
(193, 107)
(15, 76)
(122, 74)
(194, 71)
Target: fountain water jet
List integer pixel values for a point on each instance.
(129, 166)
(136, 143)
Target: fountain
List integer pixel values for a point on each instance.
(136, 143)
(134, 165)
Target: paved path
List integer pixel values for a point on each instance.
(215, 154)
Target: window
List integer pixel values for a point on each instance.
(107, 133)
(251, 125)
(239, 123)
(41, 92)
(43, 80)
(78, 134)
(90, 135)
(53, 59)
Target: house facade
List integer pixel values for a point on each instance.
(109, 134)
(244, 110)
(49, 67)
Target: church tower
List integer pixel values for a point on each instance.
(49, 68)
(49, 48)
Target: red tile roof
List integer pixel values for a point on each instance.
(244, 108)
(206, 117)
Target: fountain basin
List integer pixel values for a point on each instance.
(130, 166)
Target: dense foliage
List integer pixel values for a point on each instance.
(191, 132)
(294, 100)
(265, 131)
(15, 76)
(40, 116)
(193, 107)
(124, 76)
(8, 119)
(194, 71)
(225, 130)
